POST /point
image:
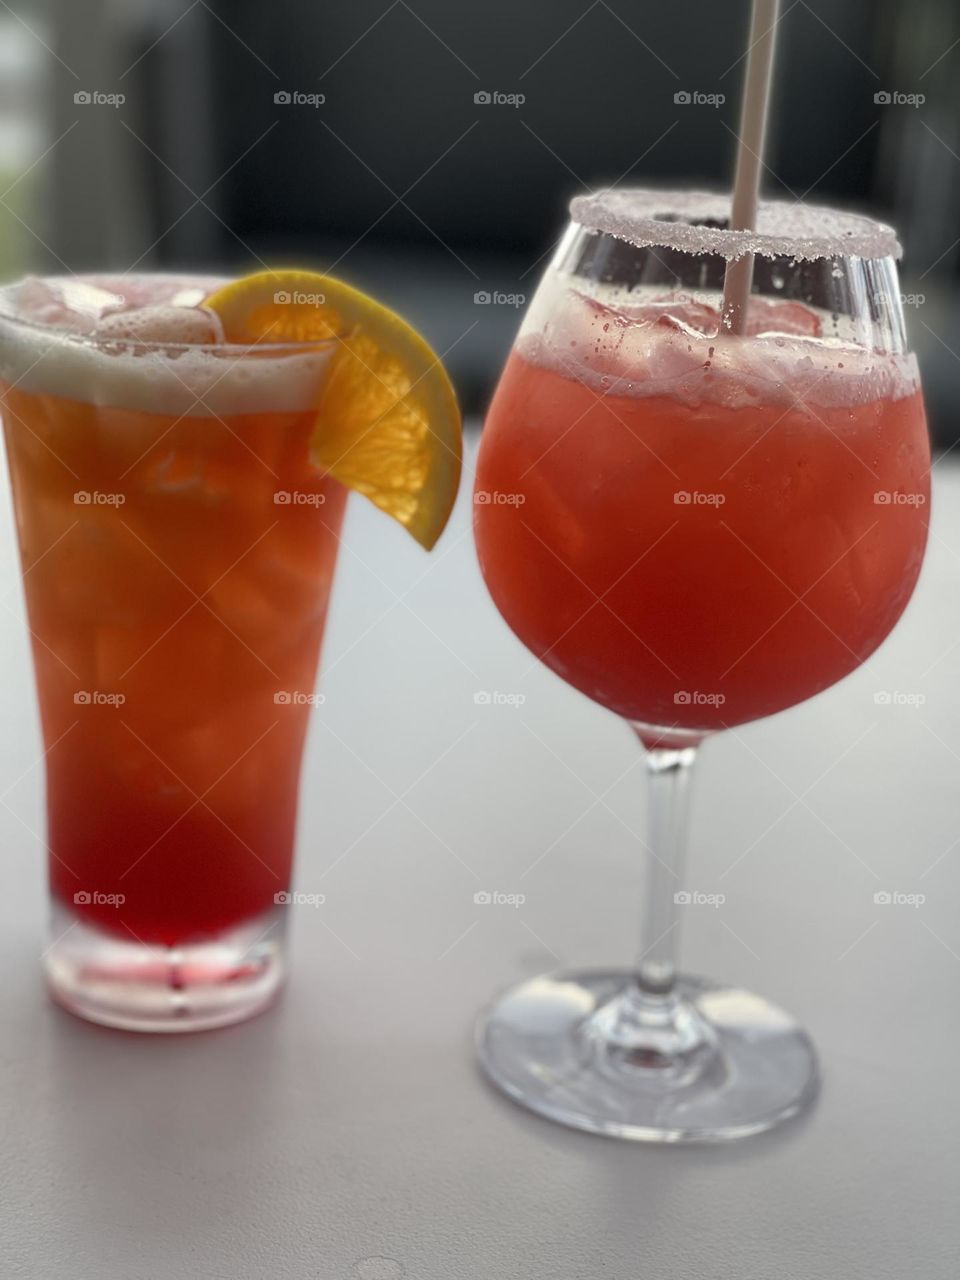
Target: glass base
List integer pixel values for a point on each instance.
(138, 986)
(706, 1064)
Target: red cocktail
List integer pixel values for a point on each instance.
(696, 523)
(699, 558)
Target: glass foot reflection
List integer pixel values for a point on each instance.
(137, 986)
(706, 1064)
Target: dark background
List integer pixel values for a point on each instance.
(403, 184)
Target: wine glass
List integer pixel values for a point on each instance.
(695, 527)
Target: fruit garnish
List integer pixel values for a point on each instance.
(387, 423)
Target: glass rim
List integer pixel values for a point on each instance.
(113, 345)
(693, 222)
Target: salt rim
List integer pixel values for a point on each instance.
(786, 229)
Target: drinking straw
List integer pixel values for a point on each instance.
(750, 140)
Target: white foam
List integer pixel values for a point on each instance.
(621, 351)
(118, 342)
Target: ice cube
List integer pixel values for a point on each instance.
(75, 305)
(174, 325)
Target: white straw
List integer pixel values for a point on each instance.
(746, 186)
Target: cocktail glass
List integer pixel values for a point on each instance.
(178, 551)
(695, 528)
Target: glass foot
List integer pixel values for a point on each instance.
(707, 1063)
(138, 986)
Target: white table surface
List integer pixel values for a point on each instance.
(347, 1133)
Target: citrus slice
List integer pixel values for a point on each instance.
(387, 424)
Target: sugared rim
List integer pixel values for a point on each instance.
(646, 217)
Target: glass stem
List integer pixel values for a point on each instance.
(668, 770)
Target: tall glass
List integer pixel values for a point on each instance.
(695, 528)
(177, 552)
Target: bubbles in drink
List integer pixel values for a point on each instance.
(644, 341)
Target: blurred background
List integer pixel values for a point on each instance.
(427, 150)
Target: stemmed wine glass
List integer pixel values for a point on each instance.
(696, 528)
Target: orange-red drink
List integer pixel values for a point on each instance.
(702, 497)
(176, 629)
(178, 550)
(180, 452)
(698, 533)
